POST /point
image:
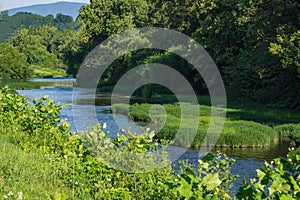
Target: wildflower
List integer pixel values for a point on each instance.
(20, 195)
(147, 129)
(108, 179)
(253, 180)
(104, 126)
(76, 183)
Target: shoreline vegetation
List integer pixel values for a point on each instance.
(40, 157)
(247, 125)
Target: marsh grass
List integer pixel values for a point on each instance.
(22, 84)
(248, 124)
(291, 131)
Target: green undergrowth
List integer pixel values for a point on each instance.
(246, 125)
(24, 175)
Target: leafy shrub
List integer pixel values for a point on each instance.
(37, 121)
(210, 181)
(279, 179)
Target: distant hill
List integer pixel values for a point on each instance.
(10, 24)
(66, 8)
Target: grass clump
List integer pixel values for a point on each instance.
(22, 85)
(239, 129)
(246, 134)
(25, 175)
(291, 131)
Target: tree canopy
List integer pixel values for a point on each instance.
(255, 44)
(12, 63)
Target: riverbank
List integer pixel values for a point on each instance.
(22, 84)
(65, 166)
(36, 83)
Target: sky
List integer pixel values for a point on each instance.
(9, 4)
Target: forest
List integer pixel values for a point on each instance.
(255, 44)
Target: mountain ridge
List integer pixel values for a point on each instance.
(63, 7)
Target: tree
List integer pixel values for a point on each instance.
(13, 64)
(101, 19)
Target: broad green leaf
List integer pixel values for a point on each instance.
(185, 189)
(279, 185)
(260, 174)
(211, 181)
(286, 197)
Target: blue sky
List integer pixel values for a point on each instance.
(9, 4)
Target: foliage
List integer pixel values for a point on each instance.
(250, 41)
(101, 19)
(287, 49)
(289, 131)
(10, 24)
(210, 181)
(12, 63)
(279, 179)
(45, 48)
(67, 167)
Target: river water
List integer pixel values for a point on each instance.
(247, 160)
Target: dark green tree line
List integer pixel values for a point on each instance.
(254, 43)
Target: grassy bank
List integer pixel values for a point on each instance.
(247, 124)
(22, 84)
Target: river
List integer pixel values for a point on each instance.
(247, 160)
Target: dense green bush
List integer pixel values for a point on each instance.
(279, 179)
(13, 64)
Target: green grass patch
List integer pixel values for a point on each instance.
(246, 134)
(291, 131)
(22, 84)
(26, 175)
(247, 124)
(39, 72)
